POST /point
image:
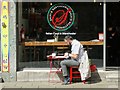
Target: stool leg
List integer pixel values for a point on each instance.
(70, 75)
(84, 81)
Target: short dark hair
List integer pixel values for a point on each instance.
(68, 37)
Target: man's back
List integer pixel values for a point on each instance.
(77, 48)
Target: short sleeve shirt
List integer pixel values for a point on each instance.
(77, 48)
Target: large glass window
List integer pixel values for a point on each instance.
(87, 25)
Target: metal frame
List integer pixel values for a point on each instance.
(104, 30)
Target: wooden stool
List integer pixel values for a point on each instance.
(73, 72)
(77, 73)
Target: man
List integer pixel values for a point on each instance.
(75, 57)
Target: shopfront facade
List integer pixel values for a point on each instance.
(16, 55)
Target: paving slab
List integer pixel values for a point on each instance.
(98, 86)
(1, 85)
(59, 85)
(38, 84)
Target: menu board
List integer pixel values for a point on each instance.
(5, 36)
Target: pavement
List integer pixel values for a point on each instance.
(32, 84)
(100, 79)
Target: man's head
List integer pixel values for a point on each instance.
(68, 39)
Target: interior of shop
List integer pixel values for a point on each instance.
(32, 19)
(87, 25)
(113, 34)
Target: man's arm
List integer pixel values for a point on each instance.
(74, 56)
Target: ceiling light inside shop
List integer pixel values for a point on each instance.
(50, 3)
(94, 0)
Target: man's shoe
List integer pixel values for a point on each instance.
(66, 81)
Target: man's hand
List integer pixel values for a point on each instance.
(66, 55)
(74, 56)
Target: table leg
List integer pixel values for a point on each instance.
(50, 68)
(58, 71)
(30, 58)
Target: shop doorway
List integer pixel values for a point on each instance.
(113, 34)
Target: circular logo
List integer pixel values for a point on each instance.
(60, 17)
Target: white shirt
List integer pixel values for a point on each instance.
(77, 48)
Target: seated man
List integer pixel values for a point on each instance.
(74, 57)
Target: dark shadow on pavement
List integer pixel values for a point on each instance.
(95, 78)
